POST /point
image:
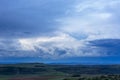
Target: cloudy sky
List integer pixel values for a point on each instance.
(60, 29)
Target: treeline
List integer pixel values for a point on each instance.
(20, 70)
(102, 77)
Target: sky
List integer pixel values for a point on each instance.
(56, 30)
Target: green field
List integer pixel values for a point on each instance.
(40, 71)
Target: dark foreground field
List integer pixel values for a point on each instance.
(39, 71)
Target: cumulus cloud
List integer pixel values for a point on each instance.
(58, 46)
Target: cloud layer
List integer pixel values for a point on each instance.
(96, 19)
(29, 18)
(58, 46)
(59, 29)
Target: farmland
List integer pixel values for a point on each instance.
(40, 71)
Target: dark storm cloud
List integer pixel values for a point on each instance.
(107, 46)
(30, 17)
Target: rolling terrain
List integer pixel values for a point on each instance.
(40, 71)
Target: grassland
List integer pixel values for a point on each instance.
(40, 71)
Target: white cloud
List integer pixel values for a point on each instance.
(49, 44)
(56, 46)
(96, 5)
(94, 18)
